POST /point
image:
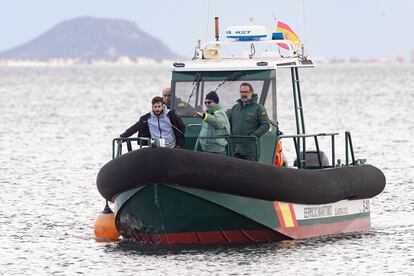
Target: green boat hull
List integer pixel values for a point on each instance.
(168, 214)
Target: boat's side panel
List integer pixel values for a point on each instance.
(170, 214)
(165, 215)
(316, 230)
(261, 211)
(123, 197)
(303, 221)
(296, 220)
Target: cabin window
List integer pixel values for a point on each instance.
(270, 102)
(186, 100)
(190, 88)
(229, 92)
(190, 98)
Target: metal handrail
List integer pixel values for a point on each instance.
(308, 135)
(120, 140)
(302, 159)
(117, 143)
(348, 145)
(193, 125)
(117, 151)
(229, 139)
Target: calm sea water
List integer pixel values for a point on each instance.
(57, 124)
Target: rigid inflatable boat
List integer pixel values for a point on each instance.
(184, 196)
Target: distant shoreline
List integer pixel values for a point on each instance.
(167, 62)
(71, 62)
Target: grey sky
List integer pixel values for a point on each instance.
(352, 28)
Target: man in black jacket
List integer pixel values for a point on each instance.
(160, 123)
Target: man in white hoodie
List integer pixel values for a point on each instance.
(160, 123)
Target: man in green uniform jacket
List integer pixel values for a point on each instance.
(215, 123)
(248, 117)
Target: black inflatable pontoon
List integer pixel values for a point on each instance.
(239, 177)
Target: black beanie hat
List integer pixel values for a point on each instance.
(212, 95)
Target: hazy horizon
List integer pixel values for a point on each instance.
(351, 29)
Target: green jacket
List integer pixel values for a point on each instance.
(248, 119)
(215, 123)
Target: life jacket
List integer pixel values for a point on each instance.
(279, 157)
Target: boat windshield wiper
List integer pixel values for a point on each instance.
(232, 77)
(198, 78)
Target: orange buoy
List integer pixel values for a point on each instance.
(279, 160)
(105, 229)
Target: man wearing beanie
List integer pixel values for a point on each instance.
(215, 123)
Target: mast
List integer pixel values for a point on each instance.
(300, 122)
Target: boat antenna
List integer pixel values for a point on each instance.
(273, 22)
(216, 28)
(208, 16)
(303, 28)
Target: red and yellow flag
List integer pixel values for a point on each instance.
(285, 214)
(288, 34)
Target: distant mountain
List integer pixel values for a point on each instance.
(89, 38)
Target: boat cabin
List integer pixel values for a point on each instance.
(192, 80)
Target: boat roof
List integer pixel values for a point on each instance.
(237, 64)
(256, 61)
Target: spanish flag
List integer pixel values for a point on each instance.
(288, 34)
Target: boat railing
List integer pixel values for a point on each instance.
(230, 141)
(292, 48)
(144, 142)
(301, 156)
(349, 149)
(141, 141)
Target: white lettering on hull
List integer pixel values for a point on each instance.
(340, 208)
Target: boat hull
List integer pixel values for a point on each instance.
(168, 214)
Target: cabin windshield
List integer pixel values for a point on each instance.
(190, 88)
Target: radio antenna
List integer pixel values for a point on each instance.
(208, 16)
(303, 28)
